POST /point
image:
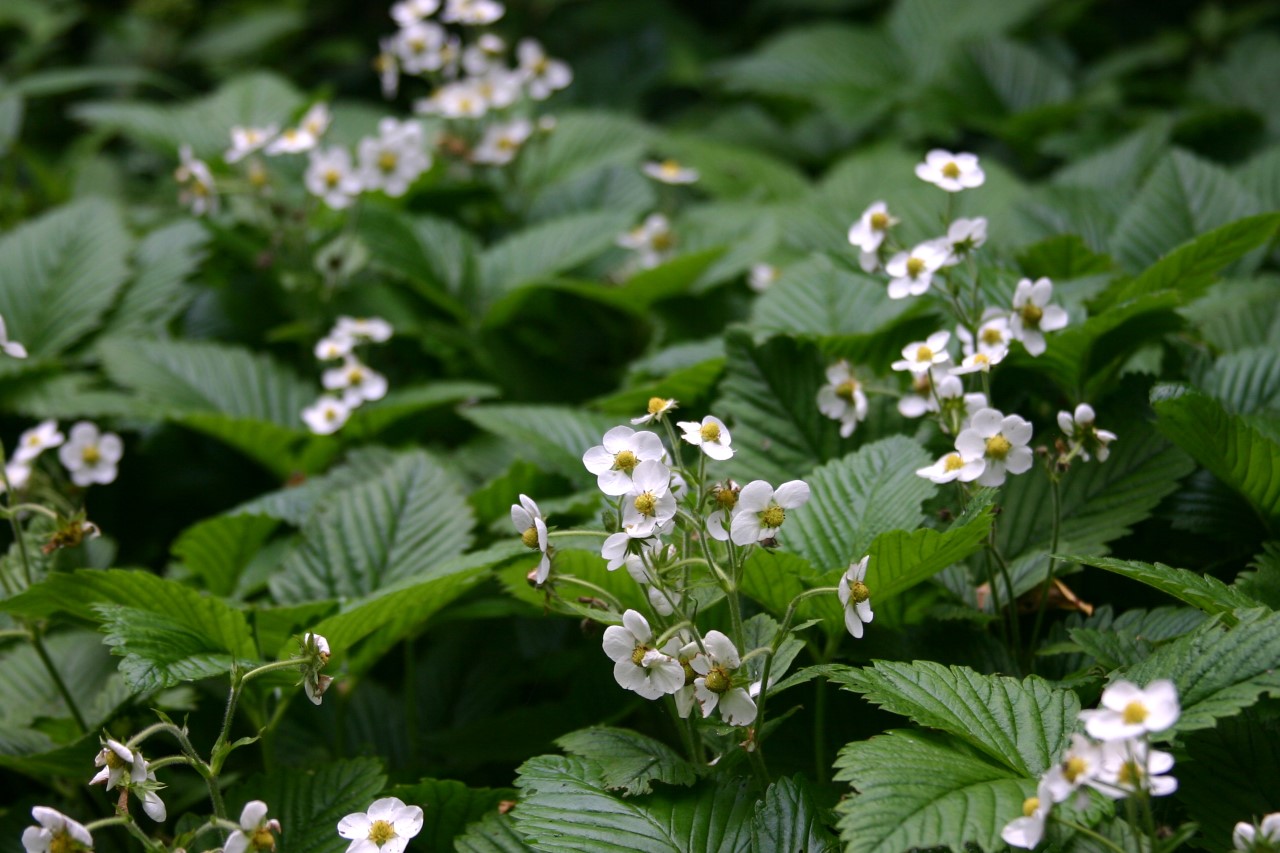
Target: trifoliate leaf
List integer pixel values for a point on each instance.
(787, 819)
(218, 548)
(629, 761)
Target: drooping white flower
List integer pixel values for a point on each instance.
(473, 13)
(254, 834)
(842, 398)
(315, 656)
(334, 346)
(56, 833)
(652, 240)
(91, 456)
(1261, 837)
(37, 440)
(855, 597)
(956, 406)
(1001, 441)
(1081, 765)
(331, 177)
(1130, 766)
(978, 362)
(316, 119)
(326, 415)
(1027, 831)
(670, 172)
(921, 356)
(963, 237)
(714, 685)
(13, 349)
(656, 410)
(993, 334)
(385, 828)
(406, 13)
(484, 54)
(246, 140)
(954, 466)
(951, 172)
(387, 64)
(1033, 315)
(1128, 711)
(543, 75)
(1083, 432)
(501, 142)
(614, 460)
(711, 435)
(920, 400)
(614, 550)
(720, 521)
(762, 276)
(195, 185)
(394, 159)
(761, 510)
(637, 665)
(649, 504)
(125, 767)
(869, 231)
(373, 329)
(913, 271)
(528, 522)
(358, 382)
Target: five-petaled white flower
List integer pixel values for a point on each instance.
(1028, 830)
(542, 74)
(13, 349)
(195, 185)
(615, 459)
(920, 356)
(714, 685)
(720, 521)
(373, 329)
(475, 13)
(1264, 836)
(650, 504)
(38, 439)
(331, 177)
(951, 172)
(246, 140)
(1131, 766)
(871, 228)
(255, 832)
(1033, 315)
(913, 271)
(394, 159)
(484, 54)
(292, 140)
(637, 665)
(528, 522)
(1001, 441)
(56, 833)
(963, 237)
(501, 142)
(978, 362)
(385, 828)
(954, 466)
(91, 456)
(326, 415)
(1128, 711)
(1083, 432)
(656, 410)
(711, 435)
(855, 597)
(670, 172)
(358, 382)
(761, 510)
(842, 398)
(993, 334)
(1081, 765)
(334, 346)
(316, 119)
(652, 240)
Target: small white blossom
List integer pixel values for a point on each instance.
(855, 598)
(842, 398)
(373, 329)
(420, 47)
(913, 271)
(1128, 711)
(1081, 765)
(657, 409)
(1083, 432)
(56, 833)
(720, 522)
(528, 522)
(316, 120)
(979, 362)
(501, 142)
(954, 466)
(474, 13)
(649, 504)
(921, 356)
(762, 276)
(670, 172)
(125, 767)
(963, 237)
(406, 13)
(331, 177)
(246, 140)
(542, 74)
(41, 437)
(327, 415)
(13, 349)
(484, 54)
(652, 240)
(387, 64)
(1264, 836)
(385, 828)
(1027, 831)
(951, 172)
(292, 140)
(637, 665)
(394, 159)
(91, 456)
(1131, 766)
(868, 233)
(334, 346)
(255, 830)
(711, 435)
(955, 404)
(195, 185)
(714, 685)
(761, 510)
(993, 334)
(1033, 315)
(1001, 441)
(358, 383)
(615, 459)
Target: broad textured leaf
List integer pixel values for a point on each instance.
(855, 499)
(296, 504)
(496, 833)
(629, 761)
(787, 819)
(217, 549)
(405, 402)
(164, 262)
(734, 171)
(410, 518)
(1233, 773)
(1262, 581)
(922, 791)
(448, 806)
(28, 693)
(434, 255)
(1245, 381)
(582, 142)
(685, 385)
(1201, 591)
(1024, 725)
(774, 578)
(902, 559)
(60, 273)
(310, 803)
(552, 436)
(564, 807)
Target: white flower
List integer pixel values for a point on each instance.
(528, 522)
(246, 140)
(358, 383)
(1130, 766)
(1084, 433)
(463, 99)
(657, 409)
(963, 237)
(978, 362)
(762, 276)
(394, 159)
(36, 440)
(195, 186)
(316, 120)
(17, 473)
(1001, 441)
(406, 13)
(13, 349)
(993, 334)
(388, 67)
(714, 685)
(501, 142)
(720, 522)
(1028, 830)
(670, 172)
(385, 828)
(652, 240)
(1082, 765)
(1033, 315)
(711, 435)
(91, 456)
(127, 768)
(475, 13)
(870, 229)
(315, 654)
(954, 466)
(951, 172)
(1264, 836)
(614, 550)
(1129, 711)
(542, 74)
(615, 459)
(255, 830)
(956, 406)
(855, 598)
(326, 415)
(498, 88)
(761, 510)
(292, 140)
(920, 356)
(331, 177)
(373, 329)
(842, 398)
(913, 271)
(335, 345)
(649, 504)
(484, 55)
(56, 833)
(920, 400)
(637, 665)
(420, 47)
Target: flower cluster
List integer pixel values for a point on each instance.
(314, 655)
(1260, 837)
(126, 768)
(1116, 759)
(89, 455)
(352, 383)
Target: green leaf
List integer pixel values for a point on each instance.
(496, 833)
(398, 525)
(436, 256)
(855, 499)
(775, 578)
(1234, 775)
(787, 819)
(628, 761)
(922, 791)
(582, 142)
(404, 402)
(60, 273)
(685, 385)
(733, 171)
(554, 437)
(1225, 444)
(1263, 581)
(564, 807)
(1201, 591)
(1245, 381)
(164, 262)
(902, 559)
(217, 549)
(1218, 671)
(310, 803)
(1062, 257)
(28, 693)
(1024, 725)
(448, 806)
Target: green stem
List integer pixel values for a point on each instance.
(1008, 585)
(1056, 493)
(38, 644)
(1101, 839)
(604, 593)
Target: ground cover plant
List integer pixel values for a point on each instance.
(823, 425)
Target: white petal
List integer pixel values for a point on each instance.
(745, 528)
(722, 649)
(619, 643)
(407, 821)
(355, 826)
(754, 497)
(637, 625)
(792, 494)
(252, 814)
(737, 708)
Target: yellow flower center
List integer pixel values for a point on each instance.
(923, 353)
(726, 498)
(718, 680)
(112, 760)
(952, 462)
(998, 446)
(330, 414)
(991, 335)
(417, 45)
(381, 832)
(710, 432)
(1074, 767)
(200, 188)
(62, 842)
(982, 359)
(506, 143)
(951, 170)
(539, 67)
(625, 460)
(846, 389)
(915, 266)
(355, 376)
(1029, 806)
(530, 538)
(262, 839)
(637, 655)
(1134, 713)
(670, 168)
(1130, 775)
(657, 405)
(1031, 315)
(858, 592)
(879, 221)
(689, 675)
(663, 241)
(646, 504)
(773, 516)
(387, 161)
(33, 441)
(331, 177)
(91, 455)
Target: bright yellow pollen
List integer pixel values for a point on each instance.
(1074, 767)
(646, 503)
(657, 405)
(670, 168)
(355, 376)
(717, 680)
(262, 839)
(539, 68)
(1134, 713)
(387, 161)
(530, 538)
(981, 358)
(710, 432)
(726, 498)
(858, 592)
(62, 842)
(773, 516)
(846, 389)
(951, 170)
(879, 221)
(417, 45)
(952, 462)
(998, 446)
(331, 414)
(91, 456)
(1130, 775)
(915, 266)
(625, 460)
(637, 656)
(381, 832)
(1031, 315)
(923, 353)
(1029, 806)
(506, 143)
